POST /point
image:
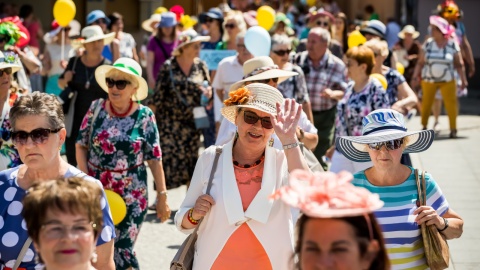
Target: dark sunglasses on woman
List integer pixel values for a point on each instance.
(39, 135)
(251, 118)
(100, 21)
(8, 71)
(230, 25)
(320, 23)
(266, 81)
(390, 145)
(282, 52)
(120, 84)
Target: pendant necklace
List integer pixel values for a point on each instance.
(87, 83)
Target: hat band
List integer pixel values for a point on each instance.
(383, 128)
(260, 70)
(127, 67)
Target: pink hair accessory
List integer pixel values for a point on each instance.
(327, 195)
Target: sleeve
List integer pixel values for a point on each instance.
(306, 125)
(342, 74)
(108, 229)
(435, 196)
(225, 132)
(151, 147)
(69, 66)
(151, 44)
(301, 85)
(380, 97)
(217, 81)
(83, 137)
(399, 79)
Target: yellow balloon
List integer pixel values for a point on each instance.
(381, 79)
(356, 38)
(400, 68)
(118, 208)
(266, 17)
(311, 3)
(64, 12)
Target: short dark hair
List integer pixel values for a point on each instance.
(114, 18)
(38, 103)
(25, 11)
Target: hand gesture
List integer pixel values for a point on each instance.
(428, 215)
(286, 120)
(327, 93)
(163, 210)
(202, 206)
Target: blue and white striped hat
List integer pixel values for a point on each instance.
(380, 126)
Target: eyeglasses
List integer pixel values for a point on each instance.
(252, 118)
(39, 135)
(282, 52)
(8, 71)
(230, 25)
(100, 21)
(322, 23)
(390, 145)
(55, 231)
(120, 84)
(266, 81)
(208, 20)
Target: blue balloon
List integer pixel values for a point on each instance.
(257, 41)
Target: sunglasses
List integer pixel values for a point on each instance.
(99, 21)
(266, 81)
(252, 118)
(390, 145)
(322, 23)
(208, 20)
(230, 25)
(282, 52)
(8, 71)
(120, 84)
(39, 135)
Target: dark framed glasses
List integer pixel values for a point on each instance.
(39, 135)
(230, 25)
(208, 20)
(251, 118)
(8, 71)
(322, 23)
(390, 145)
(282, 52)
(266, 81)
(100, 21)
(120, 84)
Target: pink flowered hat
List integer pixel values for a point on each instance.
(327, 195)
(442, 24)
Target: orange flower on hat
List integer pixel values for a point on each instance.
(238, 97)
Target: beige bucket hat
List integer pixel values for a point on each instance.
(93, 33)
(409, 29)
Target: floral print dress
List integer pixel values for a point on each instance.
(117, 149)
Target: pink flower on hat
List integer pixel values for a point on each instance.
(442, 24)
(327, 195)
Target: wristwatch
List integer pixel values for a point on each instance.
(446, 225)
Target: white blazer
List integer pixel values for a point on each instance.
(270, 220)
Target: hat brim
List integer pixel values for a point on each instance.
(147, 24)
(14, 67)
(196, 39)
(107, 39)
(142, 90)
(371, 32)
(282, 75)
(415, 34)
(202, 17)
(354, 147)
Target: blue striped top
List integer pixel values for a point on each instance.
(402, 234)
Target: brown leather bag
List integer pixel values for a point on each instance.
(434, 243)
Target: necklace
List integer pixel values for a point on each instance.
(246, 166)
(120, 114)
(87, 83)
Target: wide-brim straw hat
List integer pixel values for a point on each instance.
(128, 66)
(380, 126)
(10, 60)
(262, 68)
(409, 29)
(93, 33)
(260, 96)
(188, 37)
(149, 24)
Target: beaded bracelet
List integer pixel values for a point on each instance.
(190, 218)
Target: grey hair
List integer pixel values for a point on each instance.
(38, 103)
(281, 40)
(322, 33)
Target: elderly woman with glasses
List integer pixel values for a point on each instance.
(38, 132)
(115, 139)
(241, 226)
(64, 220)
(384, 138)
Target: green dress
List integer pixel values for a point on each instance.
(117, 149)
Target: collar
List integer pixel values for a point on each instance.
(323, 61)
(260, 207)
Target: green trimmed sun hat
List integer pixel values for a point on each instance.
(128, 66)
(380, 126)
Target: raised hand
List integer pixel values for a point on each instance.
(286, 120)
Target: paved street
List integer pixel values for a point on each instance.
(453, 163)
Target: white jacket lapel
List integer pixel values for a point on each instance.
(231, 194)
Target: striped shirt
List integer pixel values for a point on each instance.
(402, 235)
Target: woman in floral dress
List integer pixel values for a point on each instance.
(115, 138)
(178, 90)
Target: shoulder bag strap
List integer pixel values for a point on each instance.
(162, 48)
(424, 189)
(22, 253)
(420, 187)
(174, 89)
(209, 186)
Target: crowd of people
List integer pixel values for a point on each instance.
(252, 138)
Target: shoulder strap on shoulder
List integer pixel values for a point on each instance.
(22, 253)
(218, 152)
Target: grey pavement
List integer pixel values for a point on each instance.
(452, 162)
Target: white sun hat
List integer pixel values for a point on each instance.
(10, 60)
(93, 33)
(409, 29)
(262, 68)
(128, 66)
(149, 24)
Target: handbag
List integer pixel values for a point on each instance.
(183, 259)
(200, 116)
(68, 94)
(434, 243)
(311, 159)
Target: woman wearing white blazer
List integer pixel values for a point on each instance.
(242, 227)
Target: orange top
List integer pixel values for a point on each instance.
(243, 250)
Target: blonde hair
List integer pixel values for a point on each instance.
(378, 45)
(239, 20)
(115, 73)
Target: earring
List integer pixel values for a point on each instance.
(236, 135)
(94, 257)
(37, 258)
(270, 143)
